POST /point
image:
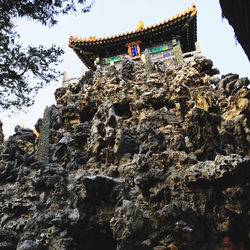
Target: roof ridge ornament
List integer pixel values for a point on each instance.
(139, 25)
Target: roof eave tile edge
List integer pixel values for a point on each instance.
(81, 57)
(92, 40)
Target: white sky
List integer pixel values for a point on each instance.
(110, 17)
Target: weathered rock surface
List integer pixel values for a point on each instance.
(132, 161)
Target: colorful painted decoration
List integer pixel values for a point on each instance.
(162, 51)
(110, 59)
(134, 50)
(174, 42)
(162, 47)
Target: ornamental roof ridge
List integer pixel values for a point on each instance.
(191, 10)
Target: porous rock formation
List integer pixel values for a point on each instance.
(136, 161)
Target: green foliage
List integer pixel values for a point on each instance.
(23, 71)
(44, 11)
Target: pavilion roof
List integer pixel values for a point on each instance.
(88, 48)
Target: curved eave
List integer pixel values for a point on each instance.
(88, 50)
(85, 59)
(130, 36)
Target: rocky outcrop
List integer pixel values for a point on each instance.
(134, 161)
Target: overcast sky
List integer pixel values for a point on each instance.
(110, 17)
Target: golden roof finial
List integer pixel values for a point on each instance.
(140, 25)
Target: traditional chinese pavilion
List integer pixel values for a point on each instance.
(160, 40)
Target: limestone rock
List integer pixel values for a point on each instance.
(106, 133)
(25, 139)
(133, 162)
(7, 240)
(203, 134)
(127, 68)
(28, 245)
